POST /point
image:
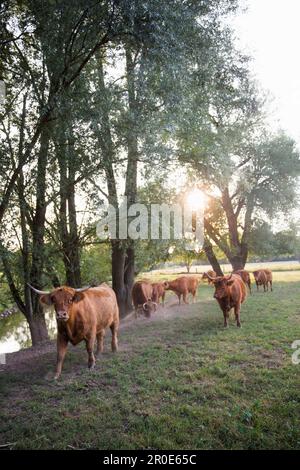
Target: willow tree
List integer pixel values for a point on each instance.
(247, 171)
(45, 47)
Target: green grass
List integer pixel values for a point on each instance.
(179, 381)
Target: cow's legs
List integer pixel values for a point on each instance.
(271, 285)
(194, 296)
(237, 310)
(163, 299)
(250, 287)
(114, 340)
(185, 294)
(100, 338)
(179, 298)
(90, 342)
(62, 345)
(226, 318)
(256, 285)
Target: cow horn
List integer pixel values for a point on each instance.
(40, 292)
(209, 277)
(82, 289)
(146, 303)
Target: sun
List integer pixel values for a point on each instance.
(196, 199)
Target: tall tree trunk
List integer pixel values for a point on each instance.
(38, 223)
(68, 230)
(123, 272)
(74, 272)
(131, 172)
(129, 273)
(74, 241)
(118, 281)
(122, 251)
(237, 262)
(38, 327)
(247, 226)
(118, 248)
(32, 263)
(36, 318)
(212, 257)
(237, 249)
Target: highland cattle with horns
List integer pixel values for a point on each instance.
(142, 293)
(82, 315)
(230, 292)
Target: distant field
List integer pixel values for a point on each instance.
(179, 381)
(226, 268)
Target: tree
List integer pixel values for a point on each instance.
(43, 54)
(246, 171)
(263, 186)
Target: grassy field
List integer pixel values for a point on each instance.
(275, 266)
(179, 381)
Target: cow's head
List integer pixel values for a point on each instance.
(149, 307)
(221, 284)
(62, 298)
(166, 285)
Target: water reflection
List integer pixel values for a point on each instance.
(15, 334)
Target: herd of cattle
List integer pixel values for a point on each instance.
(230, 291)
(84, 314)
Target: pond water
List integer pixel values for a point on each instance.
(15, 334)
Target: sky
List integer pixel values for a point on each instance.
(269, 31)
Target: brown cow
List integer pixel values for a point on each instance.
(83, 314)
(209, 273)
(261, 279)
(182, 286)
(230, 292)
(269, 275)
(245, 276)
(158, 292)
(142, 292)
